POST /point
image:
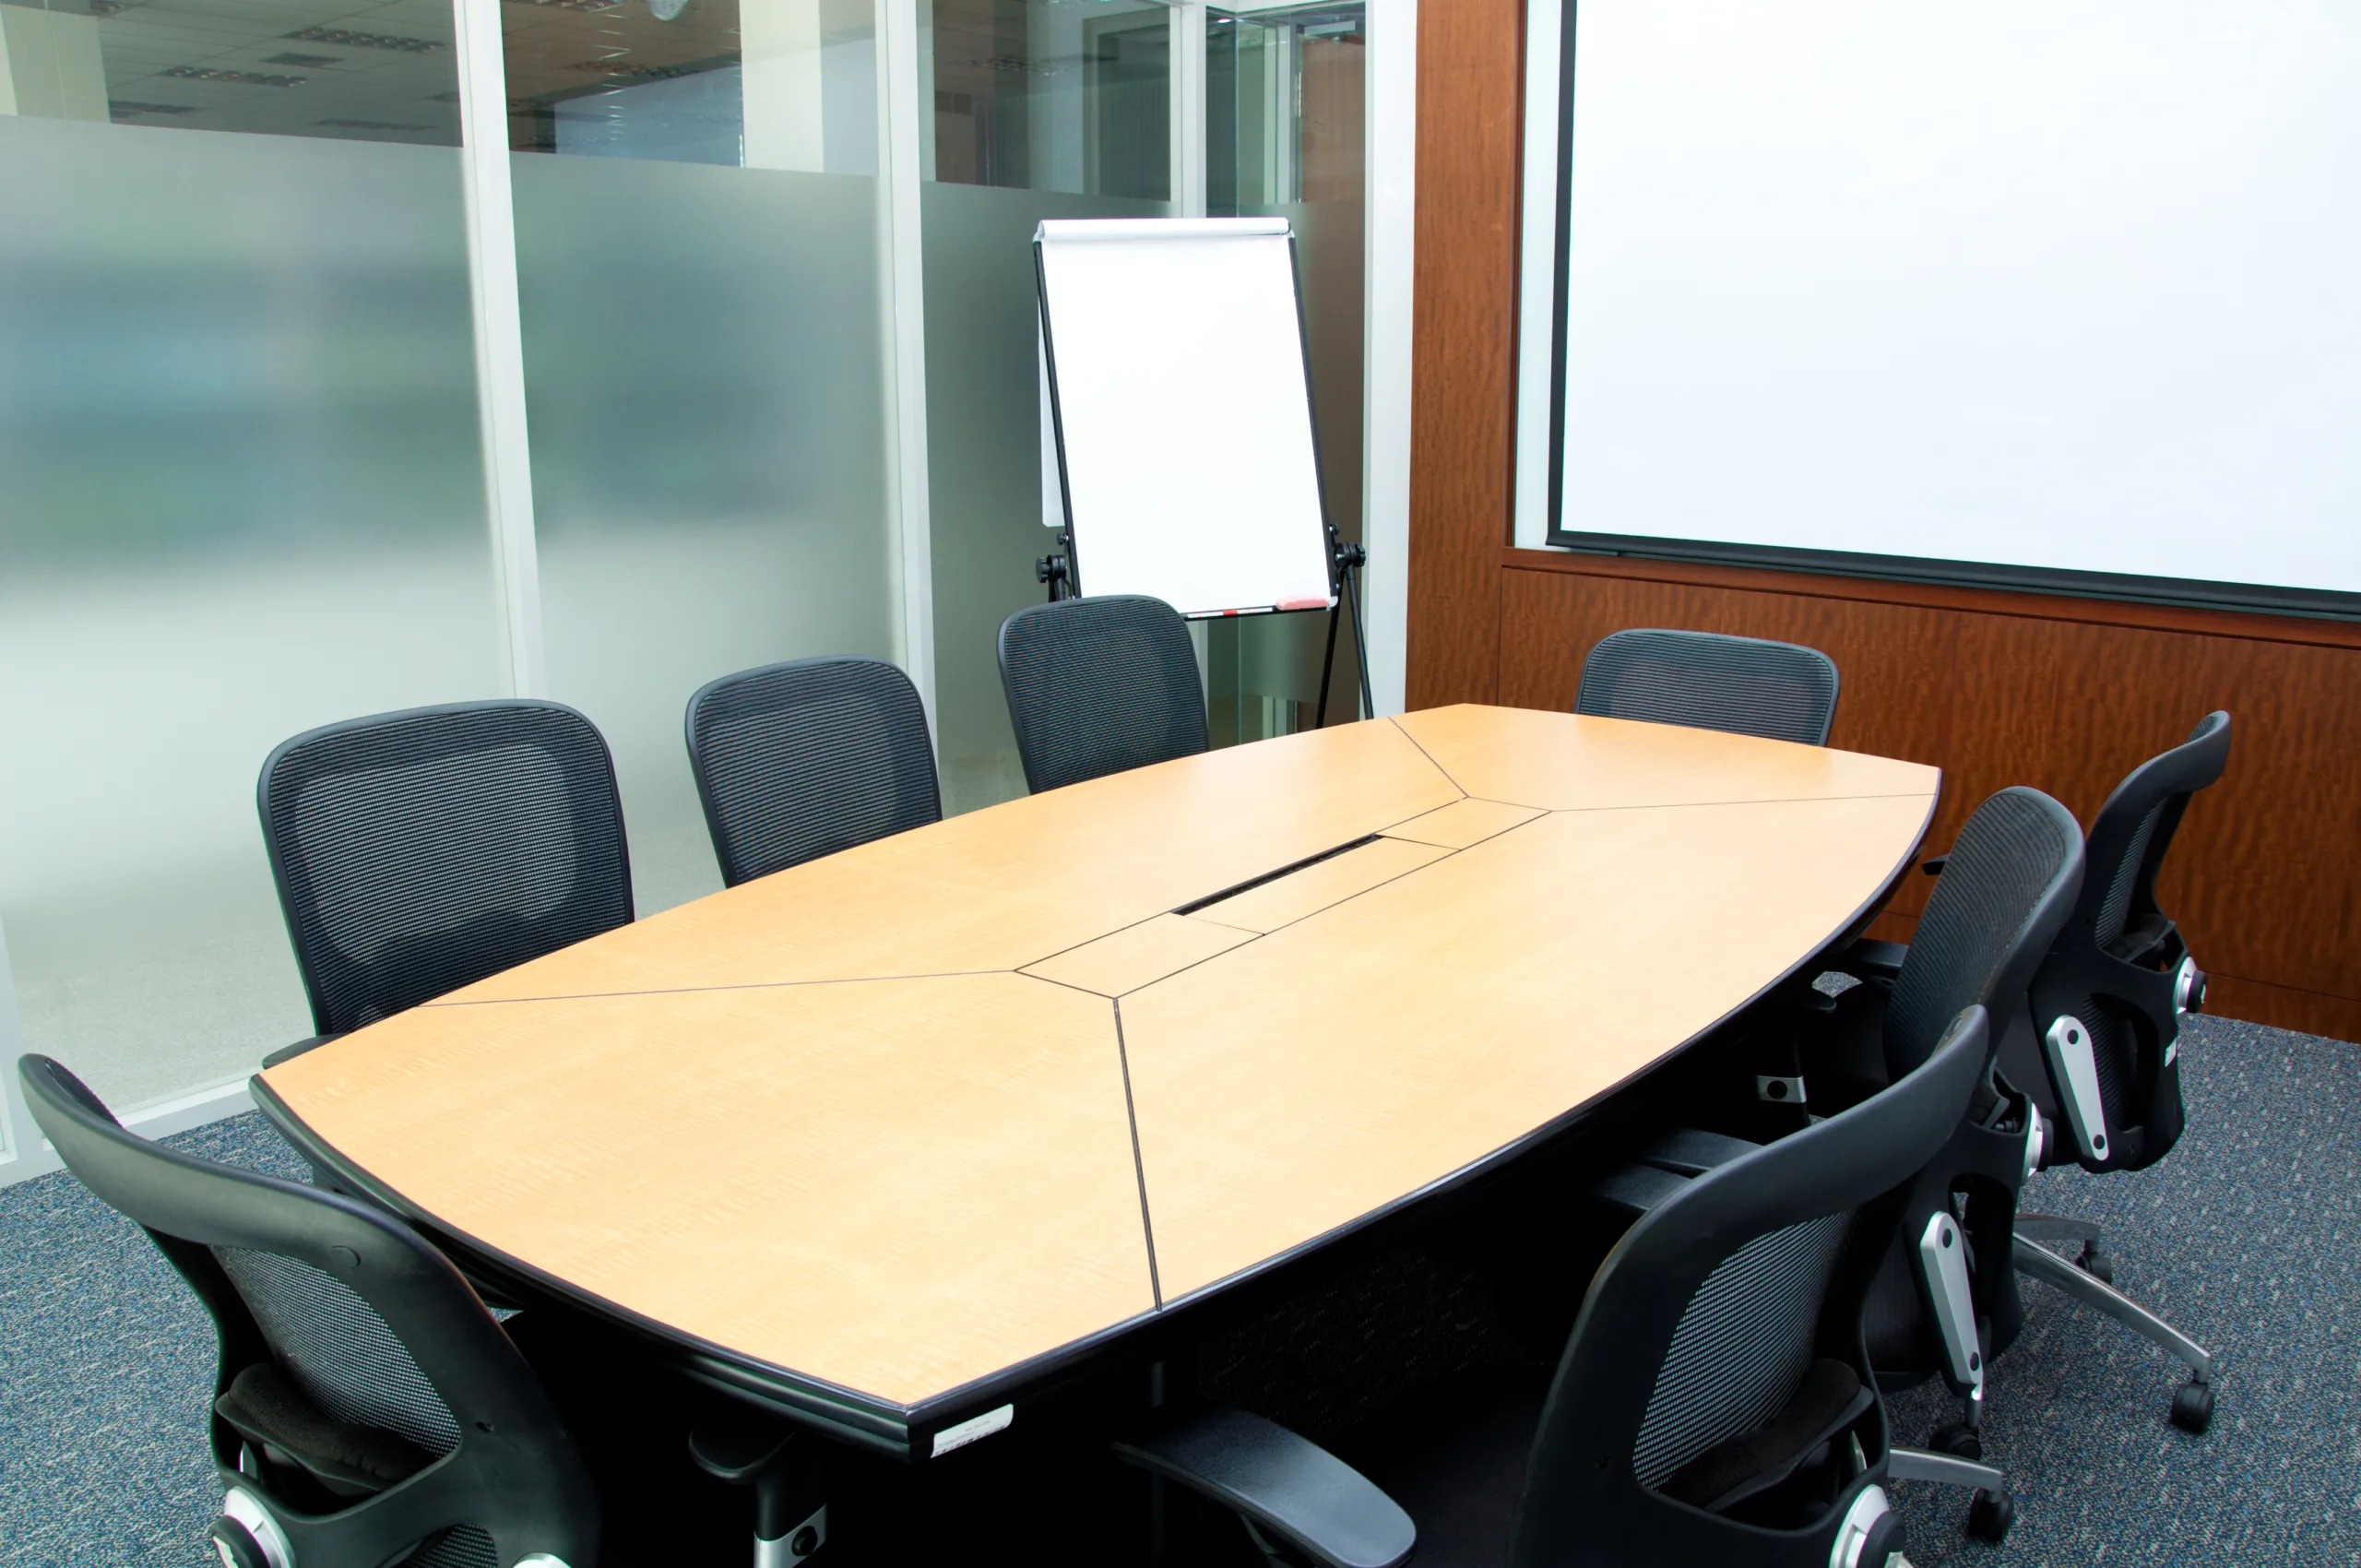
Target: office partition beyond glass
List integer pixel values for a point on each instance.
(1286, 135)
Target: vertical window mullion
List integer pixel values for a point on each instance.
(500, 343)
(905, 122)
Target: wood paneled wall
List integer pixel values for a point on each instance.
(1996, 688)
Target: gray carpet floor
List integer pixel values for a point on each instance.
(2242, 1237)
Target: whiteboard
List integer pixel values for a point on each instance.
(1182, 412)
(2047, 288)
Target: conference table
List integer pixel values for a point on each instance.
(891, 1140)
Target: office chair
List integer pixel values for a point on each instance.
(2106, 1070)
(419, 852)
(1713, 1405)
(1743, 685)
(1099, 685)
(1946, 1298)
(366, 1402)
(799, 760)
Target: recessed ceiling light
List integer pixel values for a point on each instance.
(232, 78)
(367, 39)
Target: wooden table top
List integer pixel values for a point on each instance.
(897, 1122)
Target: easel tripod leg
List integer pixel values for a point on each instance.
(1327, 667)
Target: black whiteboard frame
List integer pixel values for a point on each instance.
(1072, 541)
(2324, 604)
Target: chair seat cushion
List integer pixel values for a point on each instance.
(1831, 1400)
(1454, 1459)
(266, 1407)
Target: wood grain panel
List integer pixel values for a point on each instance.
(1001, 888)
(1467, 822)
(2267, 872)
(1399, 1037)
(898, 1185)
(2263, 874)
(1561, 762)
(1315, 887)
(2244, 625)
(1888, 658)
(1128, 959)
(2307, 1011)
(1462, 342)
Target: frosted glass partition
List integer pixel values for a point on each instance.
(240, 495)
(704, 376)
(386, 71)
(984, 459)
(1050, 97)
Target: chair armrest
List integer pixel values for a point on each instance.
(781, 1464)
(737, 1447)
(1279, 1482)
(1873, 960)
(1691, 1151)
(289, 1053)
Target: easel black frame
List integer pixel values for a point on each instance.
(1062, 570)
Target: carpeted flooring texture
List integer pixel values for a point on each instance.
(2242, 1237)
(106, 1363)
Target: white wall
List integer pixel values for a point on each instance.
(1392, 110)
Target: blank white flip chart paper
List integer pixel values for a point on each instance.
(1183, 412)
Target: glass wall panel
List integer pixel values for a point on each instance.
(1069, 108)
(984, 460)
(703, 366)
(240, 495)
(1047, 95)
(1286, 136)
(329, 68)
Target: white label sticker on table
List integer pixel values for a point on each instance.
(977, 1427)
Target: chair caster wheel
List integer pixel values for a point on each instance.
(2097, 1265)
(1958, 1440)
(1989, 1515)
(2193, 1407)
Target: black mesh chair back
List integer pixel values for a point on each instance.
(366, 1401)
(2005, 893)
(2119, 966)
(1099, 685)
(799, 760)
(1707, 1403)
(417, 852)
(1743, 685)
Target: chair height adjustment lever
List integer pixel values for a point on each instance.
(2073, 1070)
(1943, 1265)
